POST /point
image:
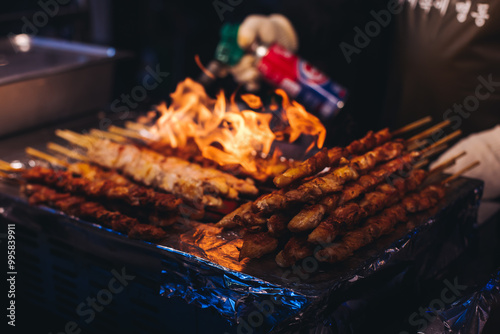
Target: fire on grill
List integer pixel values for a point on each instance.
(200, 153)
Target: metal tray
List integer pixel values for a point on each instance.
(43, 80)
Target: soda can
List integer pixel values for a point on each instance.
(302, 81)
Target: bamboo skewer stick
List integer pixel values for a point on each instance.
(449, 137)
(75, 138)
(448, 163)
(108, 135)
(412, 126)
(47, 157)
(460, 172)
(441, 142)
(429, 131)
(420, 164)
(433, 151)
(66, 151)
(5, 166)
(127, 133)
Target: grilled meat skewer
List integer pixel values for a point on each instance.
(332, 157)
(332, 182)
(348, 215)
(102, 185)
(381, 224)
(80, 207)
(190, 181)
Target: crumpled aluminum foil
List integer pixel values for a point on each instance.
(200, 265)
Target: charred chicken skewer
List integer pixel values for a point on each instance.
(229, 220)
(331, 182)
(321, 186)
(133, 195)
(177, 176)
(95, 182)
(348, 214)
(331, 157)
(345, 217)
(334, 182)
(353, 211)
(296, 248)
(80, 207)
(374, 227)
(381, 224)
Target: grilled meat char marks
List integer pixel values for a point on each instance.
(81, 207)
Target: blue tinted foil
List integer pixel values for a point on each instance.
(470, 314)
(199, 265)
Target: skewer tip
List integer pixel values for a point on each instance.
(412, 126)
(461, 172)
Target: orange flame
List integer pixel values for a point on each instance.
(226, 134)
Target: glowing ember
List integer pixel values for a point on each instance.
(226, 134)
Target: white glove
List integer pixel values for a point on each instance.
(264, 30)
(485, 147)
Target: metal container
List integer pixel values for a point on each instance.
(44, 80)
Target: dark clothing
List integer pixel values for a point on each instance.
(440, 60)
(322, 26)
(421, 63)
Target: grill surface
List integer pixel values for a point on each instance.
(63, 261)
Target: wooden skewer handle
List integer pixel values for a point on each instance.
(412, 126)
(460, 172)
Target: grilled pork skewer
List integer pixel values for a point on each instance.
(177, 176)
(351, 212)
(295, 249)
(331, 157)
(229, 220)
(130, 194)
(96, 182)
(311, 215)
(334, 181)
(348, 215)
(321, 186)
(331, 182)
(375, 226)
(80, 207)
(381, 224)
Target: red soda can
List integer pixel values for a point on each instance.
(303, 82)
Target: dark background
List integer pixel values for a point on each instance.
(168, 33)
(171, 33)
